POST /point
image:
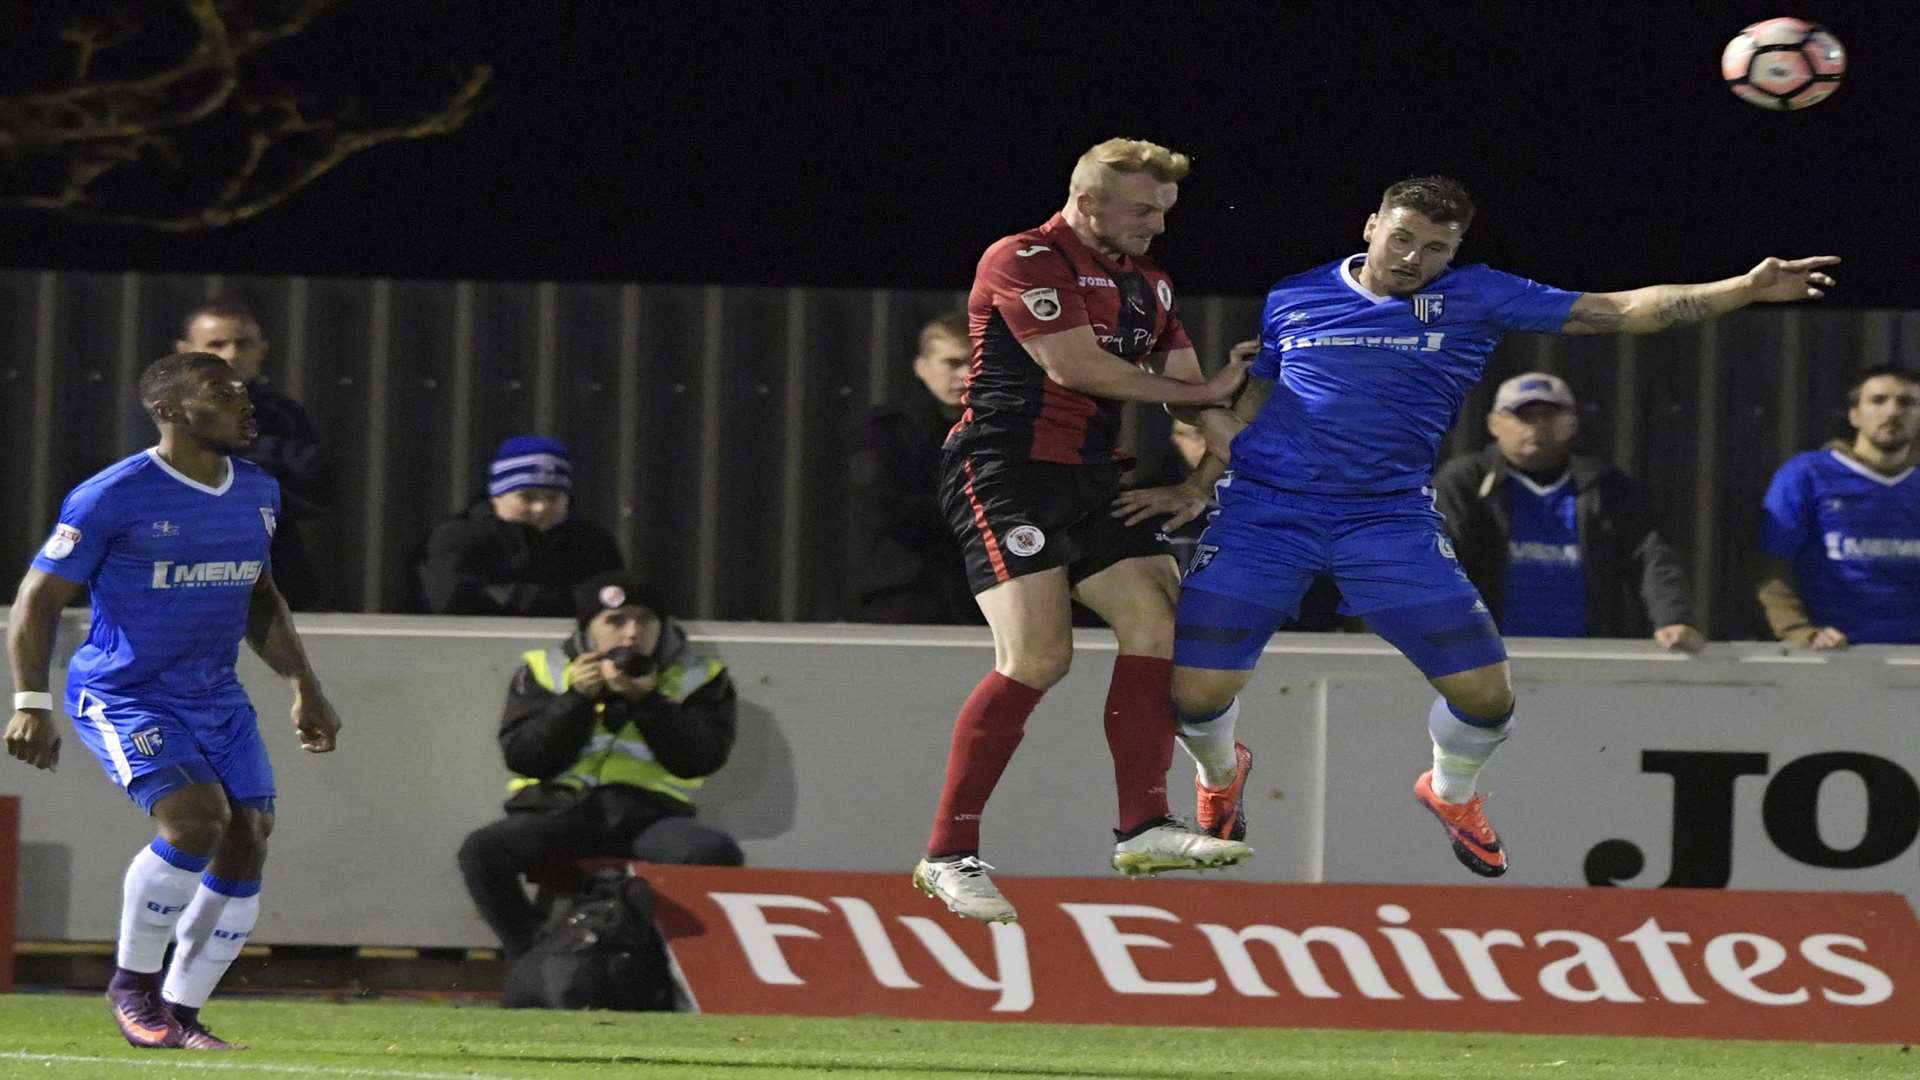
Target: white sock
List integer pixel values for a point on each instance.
(1209, 742)
(158, 886)
(209, 939)
(1461, 750)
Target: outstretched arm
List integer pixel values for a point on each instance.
(1657, 307)
(271, 634)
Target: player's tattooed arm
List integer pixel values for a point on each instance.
(1658, 307)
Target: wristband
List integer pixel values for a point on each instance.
(33, 699)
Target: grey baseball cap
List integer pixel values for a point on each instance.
(1532, 386)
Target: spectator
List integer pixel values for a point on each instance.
(288, 447)
(1840, 536)
(908, 567)
(610, 733)
(517, 551)
(1560, 544)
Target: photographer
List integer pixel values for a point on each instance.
(610, 734)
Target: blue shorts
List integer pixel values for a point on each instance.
(1389, 555)
(152, 750)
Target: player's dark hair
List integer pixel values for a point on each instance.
(1442, 199)
(1868, 374)
(953, 325)
(161, 381)
(219, 309)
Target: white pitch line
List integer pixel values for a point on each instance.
(251, 1068)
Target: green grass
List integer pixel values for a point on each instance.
(70, 1037)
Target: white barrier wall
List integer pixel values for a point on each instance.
(843, 733)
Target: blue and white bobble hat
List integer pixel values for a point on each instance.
(530, 461)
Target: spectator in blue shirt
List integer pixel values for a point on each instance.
(1560, 544)
(1840, 536)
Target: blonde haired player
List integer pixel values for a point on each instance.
(1068, 320)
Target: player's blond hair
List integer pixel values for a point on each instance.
(1126, 156)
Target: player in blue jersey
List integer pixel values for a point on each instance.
(1841, 532)
(1363, 365)
(173, 544)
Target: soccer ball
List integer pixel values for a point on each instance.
(1783, 64)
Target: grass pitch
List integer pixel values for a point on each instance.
(70, 1037)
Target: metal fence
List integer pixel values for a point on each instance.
(711, 426)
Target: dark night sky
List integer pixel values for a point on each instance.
(862, 146)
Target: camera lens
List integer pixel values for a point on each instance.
(630, 663)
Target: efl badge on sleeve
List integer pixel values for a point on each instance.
(60, 544)
(1044, 303)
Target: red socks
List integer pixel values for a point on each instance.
(1140, 730)
(985, 735)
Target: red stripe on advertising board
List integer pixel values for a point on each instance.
(1833, 967)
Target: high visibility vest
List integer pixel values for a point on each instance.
(621, 757)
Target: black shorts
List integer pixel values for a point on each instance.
(1021, 517)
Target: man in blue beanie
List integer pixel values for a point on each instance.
(518, 550)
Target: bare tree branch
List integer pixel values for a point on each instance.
(65, 144)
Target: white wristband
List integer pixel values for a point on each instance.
(33, 699)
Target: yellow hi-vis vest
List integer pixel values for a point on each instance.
(621, 757)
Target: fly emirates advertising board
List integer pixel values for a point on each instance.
(1836, 967)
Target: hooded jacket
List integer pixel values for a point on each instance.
(1635, 580)
(687, 727)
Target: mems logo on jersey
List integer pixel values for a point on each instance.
(200, 575)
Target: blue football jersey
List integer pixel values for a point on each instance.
(1546, 586)
(1853, 536)
(1365, 386)
(171, 564)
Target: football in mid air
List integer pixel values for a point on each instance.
(1783, 64)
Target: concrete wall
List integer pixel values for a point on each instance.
(842, 739)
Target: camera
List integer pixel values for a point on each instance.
(631, 662)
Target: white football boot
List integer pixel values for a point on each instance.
(1171, 845)
(963, 885)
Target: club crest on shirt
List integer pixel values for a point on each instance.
(1427, 306)
(1044, 303)
(60, 544)
(1164, 290)
(267, 519)
(165, 528)
(1025, 540)
(147, 740)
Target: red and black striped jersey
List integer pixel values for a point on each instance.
(1043, 281)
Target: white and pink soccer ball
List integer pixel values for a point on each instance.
(1783, 64)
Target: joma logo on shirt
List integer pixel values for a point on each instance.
(172, 575)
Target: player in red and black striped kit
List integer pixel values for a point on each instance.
(1068, 321)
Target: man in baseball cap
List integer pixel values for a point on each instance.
(1560, 544)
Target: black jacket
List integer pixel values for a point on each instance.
(477, 564)
(542, 734)
(906, 565)
(1635, 581)
(289, 448)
